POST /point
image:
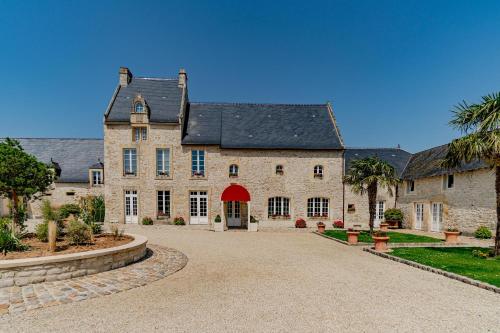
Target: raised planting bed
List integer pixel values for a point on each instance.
(455, 260)
(70, 264)
(394, 237)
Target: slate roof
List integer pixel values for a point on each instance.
(396, 157)
(261, 126)
(74, 156)
(163, 97)
(427, 163)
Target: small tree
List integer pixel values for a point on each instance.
(366, 175)
(22, 176)
(480, 124)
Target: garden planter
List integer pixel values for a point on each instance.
(384, 226)
(218, 226)
(352, 237)
(451, 237)
(321, 228)
(253, 226)
(380, 243)
(393, 224)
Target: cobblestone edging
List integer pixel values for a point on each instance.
(450, 275)
(158, 263)
(21, 272)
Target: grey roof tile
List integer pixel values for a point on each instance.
(74, 156)
(396, 157)
(163, 97)
(261, 126)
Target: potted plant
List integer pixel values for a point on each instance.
(253, 225)
(338, 224)
(300, 223)
(352, 236)
(179, 220)
(321, 227)
(381, 239)
(218, 225)
(384, 226)
(394, 218)
(147, 221)
(451, 235)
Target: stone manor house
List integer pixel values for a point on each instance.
(164, 156)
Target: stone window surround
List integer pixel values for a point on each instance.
(91, 177)
(137, 159)
(170, 162)
(283, 216)
(205, 175)
(329, 200)
(170, 190)
(141, 135)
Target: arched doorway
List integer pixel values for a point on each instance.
(235, 204)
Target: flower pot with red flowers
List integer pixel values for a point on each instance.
(380, 239)
(338, 224)
(384, 226)
(300, 223)
(321, 227)
(451, 236)
(352, 236)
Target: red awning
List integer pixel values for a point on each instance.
(235, 193)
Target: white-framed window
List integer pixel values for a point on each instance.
(318, 171)
(419, 215)
(233, 170)
(129, 161)
(278, 206)
(410, 186)
(163, 162)
(279, 169)
(140, 134)
(139, 107)
(97, 177)
(449, 181)
(317, 207)
(379, 211)
(437, 216)
(198, 163)
(163, 200)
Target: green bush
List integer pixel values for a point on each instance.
(483, 233)
(42, 231)
(48, 212)
(179, 221)
(66, 210)
(147, 221)
(92, 209)
(9, 242)
(96, 228)
(79, 233)
(253, 219)
(393, 214)
(218, 219)
(482, 255)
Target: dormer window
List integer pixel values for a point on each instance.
(97, 178)
(139, 107)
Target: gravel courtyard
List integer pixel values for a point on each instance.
(274, 281)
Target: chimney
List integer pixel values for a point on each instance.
(182, 78)
(125, 76)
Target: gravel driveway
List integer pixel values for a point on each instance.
(270, 281)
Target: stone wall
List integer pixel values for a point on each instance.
(256, 174)
(21, 272)
(469, 204)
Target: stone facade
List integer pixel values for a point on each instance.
(466, 206)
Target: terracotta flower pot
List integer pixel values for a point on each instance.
(451, 237)
(321, 228)
(352, 237)
(384, 226)
(380, 243)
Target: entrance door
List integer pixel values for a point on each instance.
(379, 213)
(233, 214)
(419, 215)
(437, 216)
(198, 207)
(131, 207)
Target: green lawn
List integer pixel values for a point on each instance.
(455, 260)
(394, 237)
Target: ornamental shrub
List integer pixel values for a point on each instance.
(300, 223)
(66, 210)
(9, 242)
(393, 214)
(147, 221)
(79, 233)
(96, 228)
(179, 221)
(338, 224)
(483, 233)
(218, 219)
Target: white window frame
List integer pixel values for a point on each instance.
(447, 181)
(164, 197)
(140, 134)
(318, 171)
(278, 207)
(163, 166)
(437, 216)
(96, 181)
(318, 207)
(198, 158)
(379, 210)
(419, 215)
(139, 106)
(130, 155)
(409, 185)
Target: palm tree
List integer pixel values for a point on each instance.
(480, 124)
(366, 175)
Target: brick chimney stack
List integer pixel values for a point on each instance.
(182, 78)
(125, 76)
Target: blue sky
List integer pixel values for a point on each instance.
(392, 69)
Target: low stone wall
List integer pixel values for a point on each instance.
(21, 272)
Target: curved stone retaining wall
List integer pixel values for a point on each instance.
(21, 272)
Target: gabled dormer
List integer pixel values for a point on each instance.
(139, 110)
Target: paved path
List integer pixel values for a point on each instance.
(269, 282)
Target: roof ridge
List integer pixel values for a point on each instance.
(428, 149)
(247, 103)
(39, 138)
(378, 148)
(156, 78)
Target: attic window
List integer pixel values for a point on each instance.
(139, 108)
(410, 186)
(279, 169)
